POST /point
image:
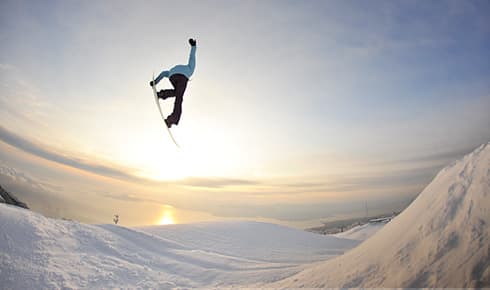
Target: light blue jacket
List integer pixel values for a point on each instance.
(186, 70)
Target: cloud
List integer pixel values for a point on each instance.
(129, 198)
(112, 171)
(123, 197)
(14, 95)
(216, 182)
(436, 158)
(11, 175)
(48, 154)
(41, 196)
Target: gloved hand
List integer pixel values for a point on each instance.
(192, 42)
(151, 84)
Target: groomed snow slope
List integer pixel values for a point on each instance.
(254, 240)
(42, 253)
(440, 240)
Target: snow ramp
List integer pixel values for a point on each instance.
(440, 240)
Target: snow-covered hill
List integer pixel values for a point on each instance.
(254, 240)
(440, 240)
(41, 253)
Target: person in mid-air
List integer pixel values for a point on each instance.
(178, 76)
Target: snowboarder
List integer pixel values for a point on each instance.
(178, 76)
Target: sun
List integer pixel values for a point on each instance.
(167, 217)
(166, 220)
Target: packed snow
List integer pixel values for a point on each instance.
(440, 240)
(38, 252)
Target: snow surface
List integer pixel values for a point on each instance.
(440, 240)
(38, 252)
(362, 232)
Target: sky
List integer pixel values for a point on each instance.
(298, 111)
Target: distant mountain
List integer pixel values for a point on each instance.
(441, 240)
(8, 198)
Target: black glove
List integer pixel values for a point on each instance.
(151, 84)
(192, 42)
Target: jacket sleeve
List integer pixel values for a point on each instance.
(192, 59)
(163, 74)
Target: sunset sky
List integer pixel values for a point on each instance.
(298, 111)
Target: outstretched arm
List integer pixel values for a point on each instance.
(192, 56)
(192, 59)
(163, 74)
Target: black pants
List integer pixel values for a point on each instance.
(179, 82)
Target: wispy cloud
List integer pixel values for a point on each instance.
(217, 182)
(128, 197)
(41, 196)
(14, 176)
(418, 174)
(124, 197)
(49, 154)
(436, 158)
(21, 105)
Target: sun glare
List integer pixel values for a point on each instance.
(167, 217)
(155, 157)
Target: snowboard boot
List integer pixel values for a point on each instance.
(163, 94)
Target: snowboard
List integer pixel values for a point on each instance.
(154, 87)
